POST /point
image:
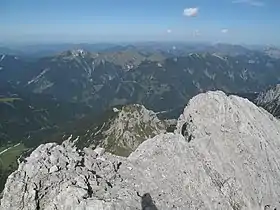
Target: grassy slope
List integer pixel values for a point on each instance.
(8, 158)
(8, 162)
(9, 99)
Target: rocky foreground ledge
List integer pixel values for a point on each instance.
(225, 154)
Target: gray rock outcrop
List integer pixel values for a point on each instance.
(270, 100)
(132, 125)
(124, 130)
(224, 155)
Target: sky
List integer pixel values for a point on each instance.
(57, 21)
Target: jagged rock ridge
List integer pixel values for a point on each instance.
(227, 158)
(123, 129)
(133, 125)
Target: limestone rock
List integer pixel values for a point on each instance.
(54, 169)
(228, 158)
(127, 129)
(270, 100)
(99, 151)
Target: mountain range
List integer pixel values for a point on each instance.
(93, 94)
(131, 76)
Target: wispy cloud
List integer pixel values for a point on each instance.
(255, 3)
(169, 31)
(191, 12)
(224, 31)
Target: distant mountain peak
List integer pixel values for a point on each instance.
(74, 53)
(272, 52)
(78, 52)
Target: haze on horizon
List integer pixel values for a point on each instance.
(52, 21)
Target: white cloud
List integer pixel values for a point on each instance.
(255, 3)
(191, 12)
(225, 30)
(169, 31)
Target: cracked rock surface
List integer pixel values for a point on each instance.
(225, 154)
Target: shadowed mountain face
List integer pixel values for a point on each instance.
(34, 115)
(112, 78)
(147, 202)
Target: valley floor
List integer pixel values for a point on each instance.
(8, 161)
(5, 150)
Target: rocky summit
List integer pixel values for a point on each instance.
(122, 129)
(224, 154)
(132, 125)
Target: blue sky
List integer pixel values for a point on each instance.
(233, 21)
